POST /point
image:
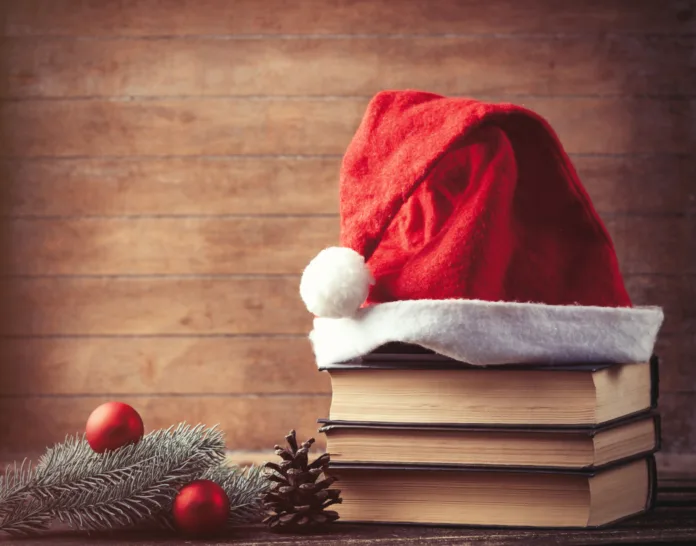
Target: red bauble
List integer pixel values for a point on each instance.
(201, 508)
(113, 425)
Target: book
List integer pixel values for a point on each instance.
(547, 447)
(493, 496)
(434, 390)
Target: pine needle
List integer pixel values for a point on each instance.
(13, 485)
(127, 487)
(244, 488)
(25, 518)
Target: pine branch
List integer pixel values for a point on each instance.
(135, 499)
(244, 488)
(13, 485)
(134, 484)
(72, 464)
(26, 517)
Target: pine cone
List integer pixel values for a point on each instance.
(300, 493)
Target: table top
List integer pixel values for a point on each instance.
(672, 521)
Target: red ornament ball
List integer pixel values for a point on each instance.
(113, 425)
(201, 508)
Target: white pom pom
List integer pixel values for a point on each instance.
(335, 283)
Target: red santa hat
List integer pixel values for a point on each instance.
(465, 230)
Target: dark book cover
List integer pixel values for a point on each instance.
(529, 469)
(587, 430)
(586, 472)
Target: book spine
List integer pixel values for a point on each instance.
(654, 380)
(652, 484)
(658, 432)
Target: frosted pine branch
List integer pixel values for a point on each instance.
(26, 517)
(183, 449)
(132, 485)
(244, 488)
(13, 485)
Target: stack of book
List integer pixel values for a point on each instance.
(415, 437)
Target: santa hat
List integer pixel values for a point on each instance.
(465, 230)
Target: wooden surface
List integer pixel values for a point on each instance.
(316, 125)
(336, 17)
(345, 66)
(168, 167)
(672, 522)
(248, 421)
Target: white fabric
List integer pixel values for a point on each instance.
(489, 333)
(336, 283)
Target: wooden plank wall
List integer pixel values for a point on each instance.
(169, 166)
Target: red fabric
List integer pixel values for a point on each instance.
(455, 198)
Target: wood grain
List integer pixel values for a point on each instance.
(112, 306)
(674, 293)
(160, 365)
(306, 185)
(640, 184)
(672, 522)
(186, 365)
(278, 17)
(678, 422)
(269, 245)
(677, 370)
(205, 306)
(168, 245)
(177, 127)
(181, 185)
(472, 65)
(225, 126)
(654, 244)
(251, 422)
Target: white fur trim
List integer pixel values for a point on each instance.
(489, 333)
(335, 283)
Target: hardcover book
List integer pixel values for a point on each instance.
(540, 447)
(426, 388)
(495, 497)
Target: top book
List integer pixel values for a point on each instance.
(402, 385)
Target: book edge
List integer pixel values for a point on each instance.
(649, 505)
(591, 428)
(327, 425)
(585, 471)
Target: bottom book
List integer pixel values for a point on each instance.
(494, 497)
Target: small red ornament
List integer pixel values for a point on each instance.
(201, 508)
(113, 425)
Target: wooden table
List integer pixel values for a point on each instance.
(672, 521)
